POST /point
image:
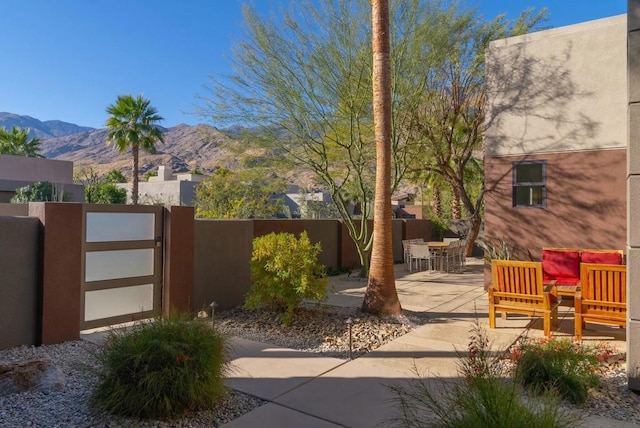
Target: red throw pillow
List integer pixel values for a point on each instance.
(562, 266)
(607, 258)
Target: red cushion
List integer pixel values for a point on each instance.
(567, 280)
(563, 266)
(608, 258)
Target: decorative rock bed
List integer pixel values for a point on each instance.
(314, 329)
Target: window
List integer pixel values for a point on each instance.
(529, 184)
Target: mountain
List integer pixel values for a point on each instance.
(46, 129)
(186, 148)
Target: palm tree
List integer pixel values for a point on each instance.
(381, 296)
(133, 124)
(17, 142)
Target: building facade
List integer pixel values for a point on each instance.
(20, 171)
(556, 138)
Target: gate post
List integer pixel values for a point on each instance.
(177, 289)
(61, 270)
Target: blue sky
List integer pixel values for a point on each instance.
(69, 59)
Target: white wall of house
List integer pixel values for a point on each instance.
(166, 188)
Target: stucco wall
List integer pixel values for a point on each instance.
(14, 209)
(326, 233)
(585, 207)
(558, 90)
(222, 250)
(22, 168)
(172, 192)
(19, 290)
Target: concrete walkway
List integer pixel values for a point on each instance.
(307, 390)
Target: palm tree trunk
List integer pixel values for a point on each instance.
(456, 207)
(436, 203)
(381, 296)
(134, 186)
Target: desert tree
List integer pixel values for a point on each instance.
(449, 123)
(304, 76)
(133, 125)
(248, 193)
(101, 190)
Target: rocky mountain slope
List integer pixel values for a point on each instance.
(46, 129)
(186, 148)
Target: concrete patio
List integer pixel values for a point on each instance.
(307, 390)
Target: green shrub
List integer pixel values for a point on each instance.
(161, 369)
(40, 191)
(104, 193)
(284, 271)
(480, 398)
(558, 366)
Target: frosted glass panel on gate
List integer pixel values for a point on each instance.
(102, 265)
(105, 227)
(117, 301)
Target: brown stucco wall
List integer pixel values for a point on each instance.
(348, 251)
(178, 259)
(19, 281)
(222, 250)
(586, 203)
(398, 252)
(61, 269)
(326, 233)
(267, 226)
(416, 229)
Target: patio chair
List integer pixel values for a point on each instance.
(517, 287)
(455, 256)
(420, 252)
(601, 296)
(406, 245)
(406, 249)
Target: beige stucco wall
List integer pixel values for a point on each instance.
(172, 192)
(19, 171)
(556, 90)
(22, 168)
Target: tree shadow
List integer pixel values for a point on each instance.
(532, 115)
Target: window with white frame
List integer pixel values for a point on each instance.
(529, 183)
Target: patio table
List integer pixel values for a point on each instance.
(440, 250)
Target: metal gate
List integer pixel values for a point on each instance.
(122, 264)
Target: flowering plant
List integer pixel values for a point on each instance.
(563, 367)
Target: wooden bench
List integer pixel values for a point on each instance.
(518, 287)
(601, 296)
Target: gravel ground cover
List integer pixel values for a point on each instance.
(68, 406)
(315, 328)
